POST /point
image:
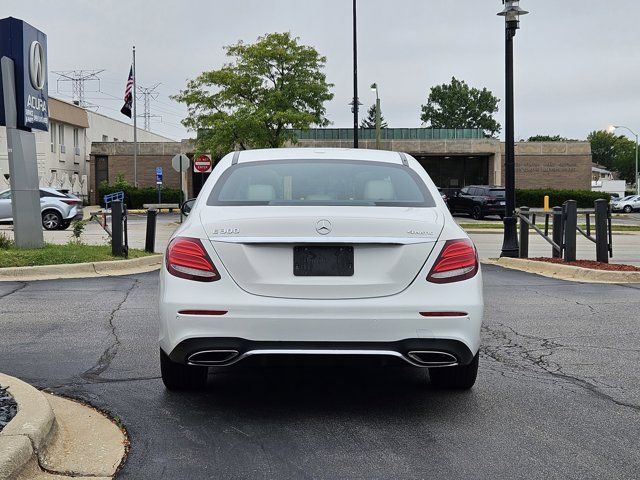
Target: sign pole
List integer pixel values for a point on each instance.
(181, 187)
(21, 149)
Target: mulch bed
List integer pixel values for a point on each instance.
(8, 407)
(616, 267)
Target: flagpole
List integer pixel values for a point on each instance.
(135, 125)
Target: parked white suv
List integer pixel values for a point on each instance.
(331, 253)
(627, 204)
(58, 208)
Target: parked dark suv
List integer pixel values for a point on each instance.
(479, 201)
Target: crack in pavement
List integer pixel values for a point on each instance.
(99, 380)
(16, 290)
(93, 373)
(508, 350)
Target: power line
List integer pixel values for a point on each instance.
(78, 78)
(148, 94)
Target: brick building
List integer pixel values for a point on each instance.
(453, 158)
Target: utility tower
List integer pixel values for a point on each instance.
(78, 79)
(147, 94)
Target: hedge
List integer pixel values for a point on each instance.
(534, 198)
(137, 197)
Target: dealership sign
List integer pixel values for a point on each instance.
(27, 47)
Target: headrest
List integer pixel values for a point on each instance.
(261, 193)
(379, 190)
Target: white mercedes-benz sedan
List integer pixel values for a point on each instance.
(323, 254)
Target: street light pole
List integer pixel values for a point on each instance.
(355, 78)
(374, 87)
(612, 129)
(511, 12)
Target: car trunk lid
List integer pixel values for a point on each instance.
(256, 247)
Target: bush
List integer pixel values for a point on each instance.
(137, 197)
(5, 241)
(535, 198)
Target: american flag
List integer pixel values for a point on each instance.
(128, 95)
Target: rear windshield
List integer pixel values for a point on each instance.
(320, 182)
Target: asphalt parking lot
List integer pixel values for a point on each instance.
(558, 393)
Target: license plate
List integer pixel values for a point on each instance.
(322, 261)
(502, 204)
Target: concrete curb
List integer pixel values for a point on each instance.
(565, 272)
(81, 270)
(28, 431)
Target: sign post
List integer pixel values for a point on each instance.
(24, 107)
(180, 164)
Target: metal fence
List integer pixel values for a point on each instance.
(564, 224)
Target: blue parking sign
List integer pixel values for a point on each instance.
(158, 175)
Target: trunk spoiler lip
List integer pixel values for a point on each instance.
(328, 240)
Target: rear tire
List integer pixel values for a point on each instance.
(476, 213)
(64, 225)
(462, 377)
(628, 209)
(177, 376)
(51, 220)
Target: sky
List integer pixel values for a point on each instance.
(577, 62)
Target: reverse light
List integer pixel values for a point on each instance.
(187, 258)
(457, 261)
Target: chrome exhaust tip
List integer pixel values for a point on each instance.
(429, 358)
(212, 357)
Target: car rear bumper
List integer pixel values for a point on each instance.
(418, 352)
(493, 209)
(295, 324)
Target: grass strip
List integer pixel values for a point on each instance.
(52, 254)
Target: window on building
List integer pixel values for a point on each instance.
(76, 141)
(105, 138)
(61, 138)
(52, 130)
(115, 139)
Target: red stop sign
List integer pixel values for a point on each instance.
(203, 164)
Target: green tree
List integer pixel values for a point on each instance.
(614, 152)
(370, 121)
(456, 105)
(268, 87)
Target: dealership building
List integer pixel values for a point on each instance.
(453, 158)
(62, 153)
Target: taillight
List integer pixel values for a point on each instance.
(187, 258)
(457, 261)
(72, 202)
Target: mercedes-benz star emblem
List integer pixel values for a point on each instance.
(323, 227)
(37, 67)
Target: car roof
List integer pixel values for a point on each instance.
(50, 190)
(319, 154)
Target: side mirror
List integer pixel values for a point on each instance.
(187, 206)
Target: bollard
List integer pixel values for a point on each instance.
(570, 230)
(150, 242)
(546, 203)
(602, 237)
(116, 228)
(557, 234)
(524, 233)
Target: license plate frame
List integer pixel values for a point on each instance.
(323, 261)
